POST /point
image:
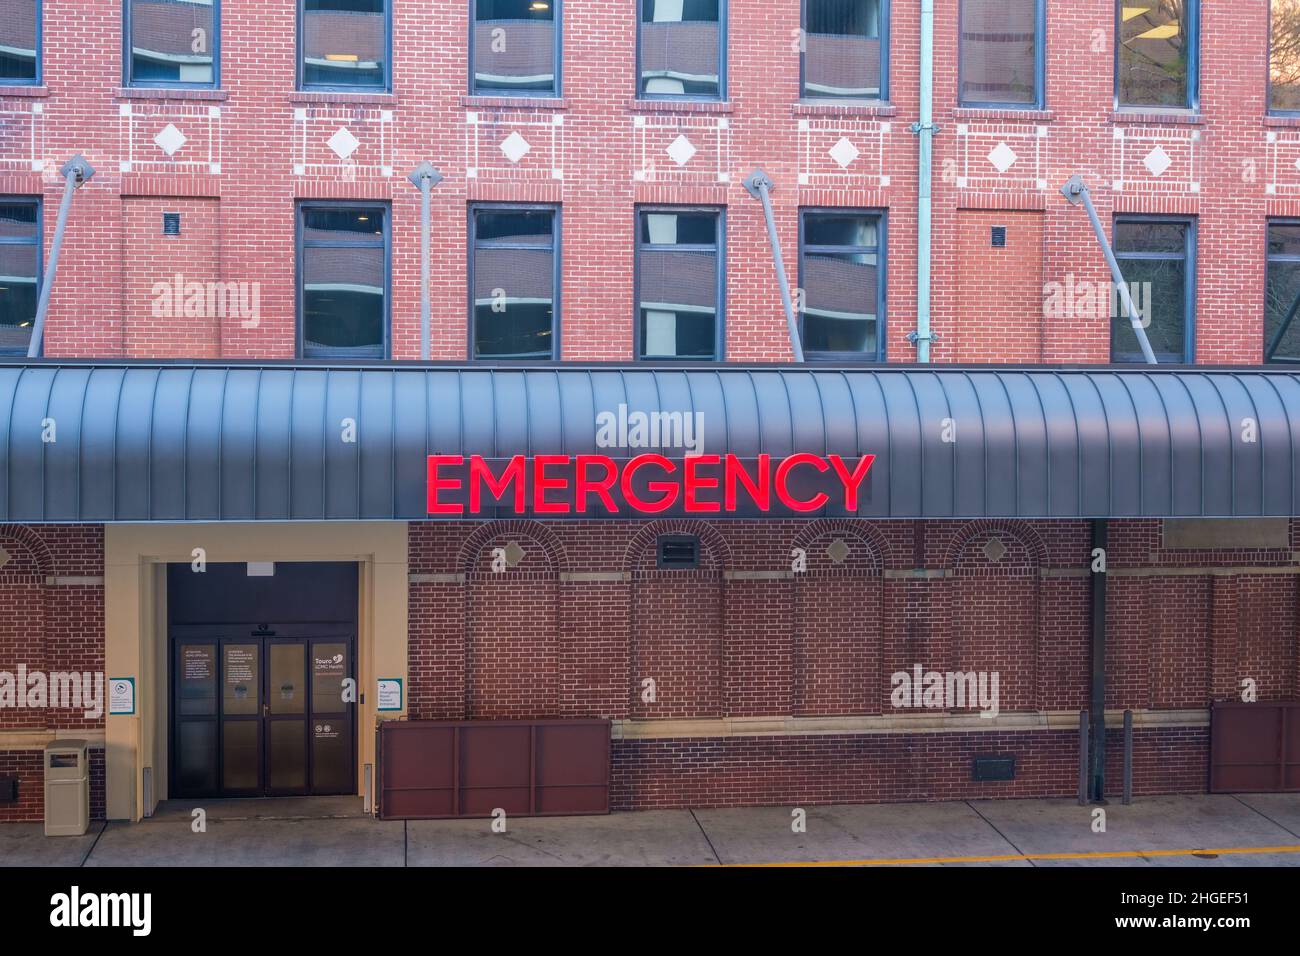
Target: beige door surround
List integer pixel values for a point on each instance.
(135, 615)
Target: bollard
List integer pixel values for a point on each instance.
(1128, 757)
(1083, 757)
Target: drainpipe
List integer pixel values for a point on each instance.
(925, 129)
(1076, 190)
(426, 177)
(760, 187)
(76, 172)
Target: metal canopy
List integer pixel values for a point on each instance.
(241, 442)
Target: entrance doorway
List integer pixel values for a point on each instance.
(262, 680)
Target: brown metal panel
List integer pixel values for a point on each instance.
(1255, 747)
(433, 769)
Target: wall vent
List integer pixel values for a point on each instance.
(171, 224)
(678, 552)
(999, 237)
(994, 768)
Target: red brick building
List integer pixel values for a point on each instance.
(250, 201)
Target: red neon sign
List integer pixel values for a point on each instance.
(646, 484)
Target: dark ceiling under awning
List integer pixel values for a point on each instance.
(240, 442)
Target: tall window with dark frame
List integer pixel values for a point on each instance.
(172, 42)
(1282, 293)
(679, 284)
(1156, 59)
(1284, 57)
(343, 44)
(514, 274)
(20, 273)
(681, 48)
(844, 44)
(1156, 259)
(1000, 55)
(343, 281)
(20, 53)
(839, 273)
(515, 47)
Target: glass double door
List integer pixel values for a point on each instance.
(263, 716)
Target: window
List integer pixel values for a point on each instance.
(20, 272)
(20, 53)
(172, 42)
(1284, 57)
(681, 49)
(844, 56)
(840, 275)
(515, 47)
(344, 44)
(1156, 56)
(679, 283)
(1156, 258)
(343, 281)
(1000, 60)
(1282, 293)
(514, 275)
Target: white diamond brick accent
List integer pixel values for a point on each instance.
(1157, 161)
(1003, 157)
(343, 143)
(681, 150)
(844, 152)
(170, 139)
(515, 147)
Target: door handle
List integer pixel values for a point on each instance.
(266, 710)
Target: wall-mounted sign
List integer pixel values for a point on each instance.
(649, 484)
(121, 695)
(390, 694)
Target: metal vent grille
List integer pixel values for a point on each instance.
(171, 224)
(678, 552)
(999, 237)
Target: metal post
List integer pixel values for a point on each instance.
(1083, 757)
(1097, 654)
(426, 177)
(1076, 191)
(1128, 757)
(76, 172)
(760, 185)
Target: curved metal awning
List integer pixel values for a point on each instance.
(102, 442)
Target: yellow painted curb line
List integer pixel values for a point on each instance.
(1015, 857)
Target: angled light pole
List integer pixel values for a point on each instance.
(760, 186)
(425, 176)
(76, 173)
(1076, 190)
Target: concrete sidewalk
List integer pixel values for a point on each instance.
(1219, 830)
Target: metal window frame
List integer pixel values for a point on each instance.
(472, 245)
(720, 288)
(884, 61)
(38, 241)
(300, 247)
(39, 79)
(1039, 101)
(1268, 73)
(881, 216)
(723, 34)
(1192, 102)
(1269, 259)
(128, 58)
(1189, 223)
(300, 81)
(557, 87)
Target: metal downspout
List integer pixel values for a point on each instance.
(426, 177)
(760, 186)
(76, 172)
(1097, 665)
(925, 129)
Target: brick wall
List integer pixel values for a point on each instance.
(245, 164)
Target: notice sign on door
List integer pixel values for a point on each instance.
(390, 693)
(121, 695)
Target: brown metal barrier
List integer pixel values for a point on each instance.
(435, 769)
(1255, 747)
